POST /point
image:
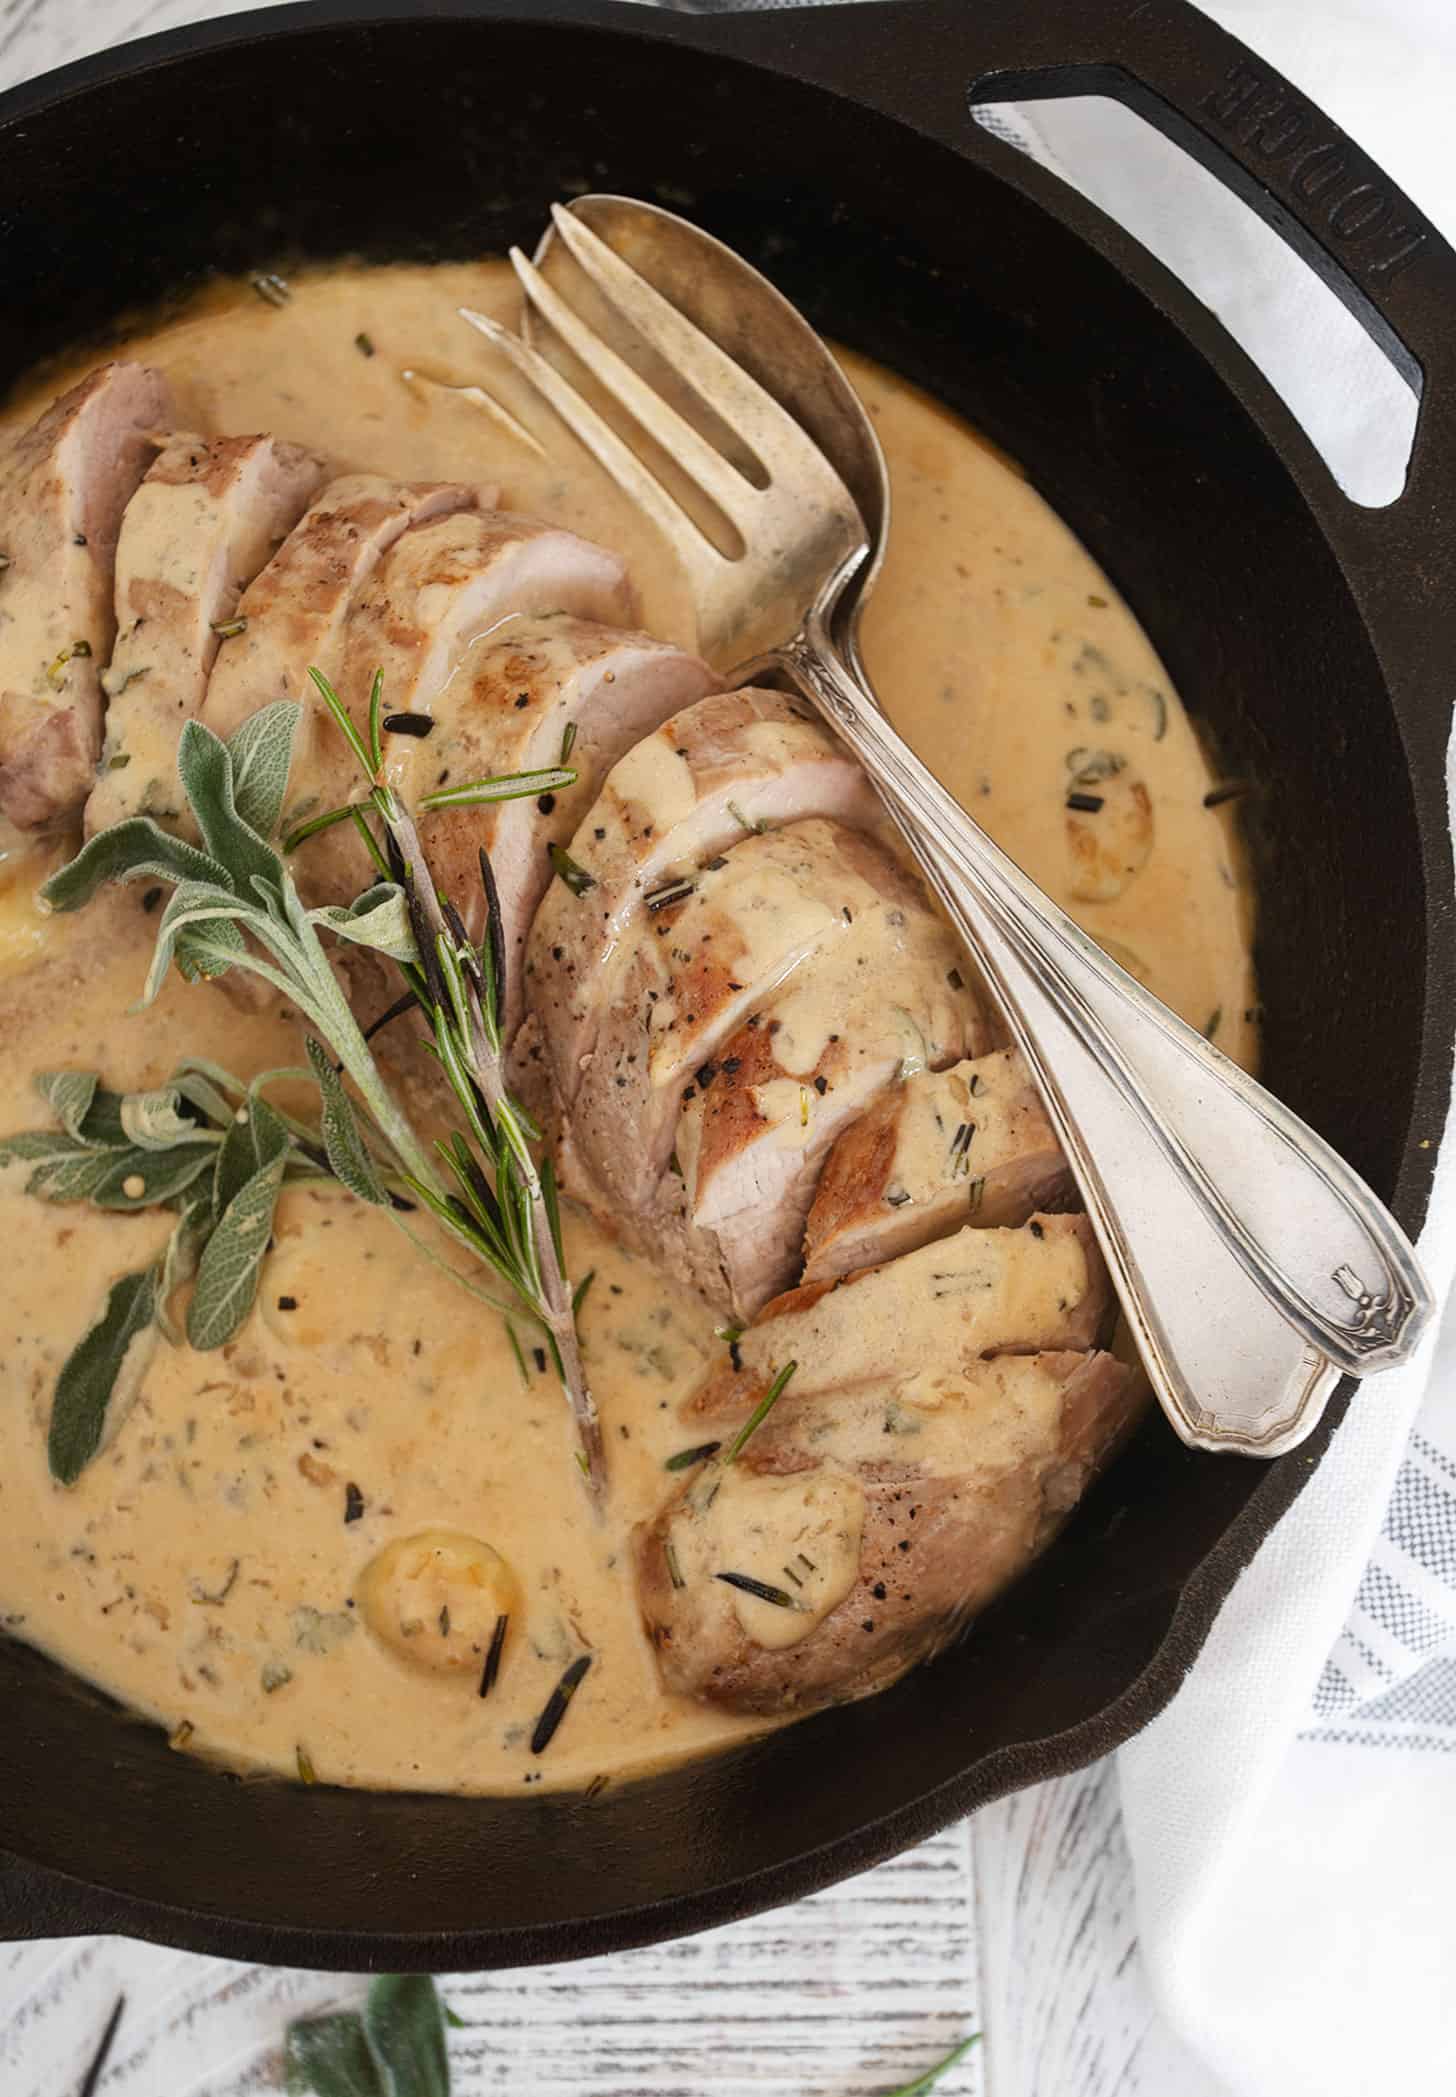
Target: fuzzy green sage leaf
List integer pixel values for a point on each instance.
(99, 1383)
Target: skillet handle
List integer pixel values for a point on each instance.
(929, 62)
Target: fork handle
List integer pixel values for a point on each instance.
(1253, 1264)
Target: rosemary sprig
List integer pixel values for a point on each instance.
(515, 1216)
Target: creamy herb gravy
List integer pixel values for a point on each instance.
(207, 1548)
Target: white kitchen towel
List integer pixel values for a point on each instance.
(1292, 1815)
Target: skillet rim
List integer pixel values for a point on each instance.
(756, 40)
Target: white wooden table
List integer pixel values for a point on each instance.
(1019, 1923)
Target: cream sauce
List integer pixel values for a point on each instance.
(205, 1568)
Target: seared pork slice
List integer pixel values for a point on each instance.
(450, 585)
(63, 487)
(515, 704)
(441, 593)
(924, 1318)
(703, 958)
(972, 1144)
(752, 1140)
(293, 612)
(872, 1526)
(203, 522)
(734, 763)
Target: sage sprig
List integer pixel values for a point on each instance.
(204, 1147)
(235, 905)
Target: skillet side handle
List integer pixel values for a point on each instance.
(928, 63)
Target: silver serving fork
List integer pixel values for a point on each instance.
(1253, 1265)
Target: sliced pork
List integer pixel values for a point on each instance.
(732, 764)
(890, 996)
(293, 613)
(704, 957)
(922, 1319)
(967, 1145)
(452, 584)
(858, 1533)
(63, 488)
(545, 686)
(203, 522)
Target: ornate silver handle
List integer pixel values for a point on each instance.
(1254, 1266)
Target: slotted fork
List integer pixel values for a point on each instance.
(1253, 1264)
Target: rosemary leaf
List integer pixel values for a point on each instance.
(932, 2076)
(501, 786)
(760, 1412)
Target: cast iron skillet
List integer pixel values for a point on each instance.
(1315, 640)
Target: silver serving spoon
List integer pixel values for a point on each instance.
(1253, 1265)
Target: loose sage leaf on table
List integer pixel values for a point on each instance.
(349, 1161)
(406, 2034)
(330, 2057)
(395, 2048)
(262, 753)
(96, 1388)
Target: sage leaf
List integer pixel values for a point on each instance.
(144, 1179)
(45, 1149)
(198, 903)
(209, 1086)
(379, 918)
(135, 850)
(349, 1161)
(153, 1121)
(72, 1174)
(257, 1136)
(405, 2032)
(262, 756)
(179, 1262)
(204, 952)
(205, 768)
(102, 1125)
(99, 1382)
(227, 1273)
(330, 2057)
(69, 1094)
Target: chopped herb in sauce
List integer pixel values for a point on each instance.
(555, 1711)
(685, 1459)
(493, 1657)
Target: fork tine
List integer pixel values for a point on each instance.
(420, 381)
(753, 415)
(697, 458)
(600, 439)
